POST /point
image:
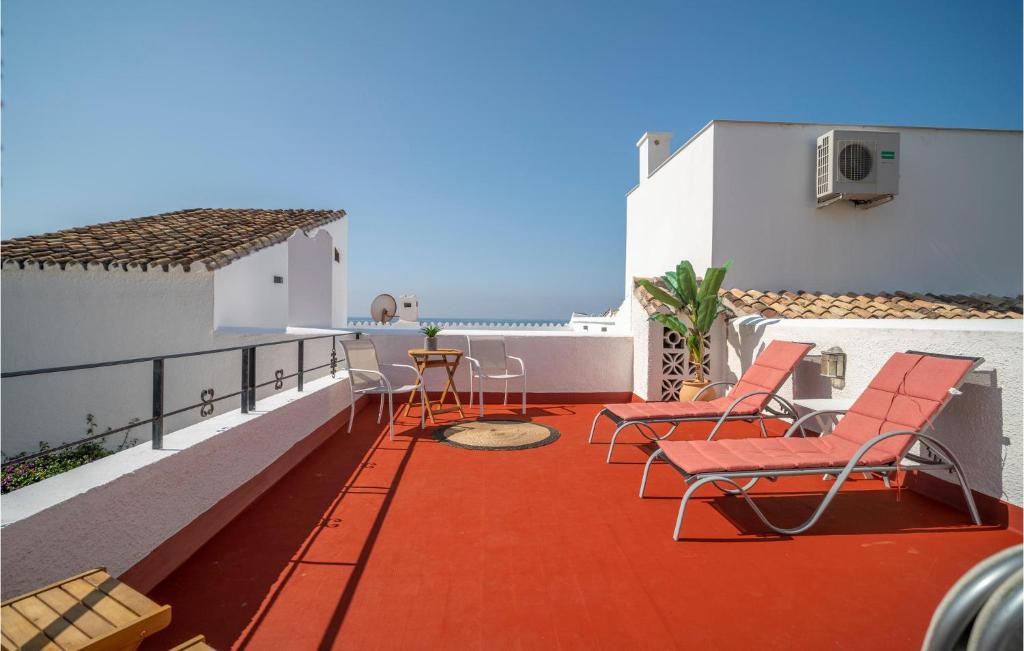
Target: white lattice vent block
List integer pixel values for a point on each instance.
(676, 365)
(672, 339)
(670, 388)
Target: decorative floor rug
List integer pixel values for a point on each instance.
(497, 435)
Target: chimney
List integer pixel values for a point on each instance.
(654, 146)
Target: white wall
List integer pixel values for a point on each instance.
(647, 351)
(983, 426)
(668, 216)
(564, 362)
(245, 294)
(338, 231)
(955, 227)
(56, 318)
(309, 279)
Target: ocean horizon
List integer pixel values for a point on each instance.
(464, 319)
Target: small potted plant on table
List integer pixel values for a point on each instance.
(695, 305)
(431, 332)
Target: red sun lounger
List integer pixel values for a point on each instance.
(749, 400)
(875, 435)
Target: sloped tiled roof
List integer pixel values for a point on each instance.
(212, 237)
(885, 305)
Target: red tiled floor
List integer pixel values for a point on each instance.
(371, 544)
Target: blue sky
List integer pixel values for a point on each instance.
(483, 150)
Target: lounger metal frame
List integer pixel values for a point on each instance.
(946, 460)
(643, 425)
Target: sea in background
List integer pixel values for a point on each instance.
(486, 320)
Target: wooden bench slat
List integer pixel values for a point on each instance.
(84, 619)
(63, 633)
(128, 597)
(198, 643)
(130, 636)
(100, 602)
(6, 644)
(90, 610)
(23, 633)
(53, 585)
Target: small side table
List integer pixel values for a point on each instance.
(446, 358)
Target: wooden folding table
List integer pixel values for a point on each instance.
(446, 358)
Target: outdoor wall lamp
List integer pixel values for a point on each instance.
(833, 366)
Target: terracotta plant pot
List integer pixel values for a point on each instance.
(691, 388)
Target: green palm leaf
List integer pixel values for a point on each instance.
(671, 321)
(687, 282)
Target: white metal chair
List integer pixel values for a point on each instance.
(366, 378)
(488, 359)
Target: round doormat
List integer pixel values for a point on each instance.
(497, 435)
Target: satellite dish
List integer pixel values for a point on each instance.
(383, 308)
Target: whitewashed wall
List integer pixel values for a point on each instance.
(646, 352)
(983, 426)
(669, 214)
(245, 294)
(52, 317)
(338, 231)
(310, 300)
(58, 318)
(955, 227)
(744, 191)
(563, 362)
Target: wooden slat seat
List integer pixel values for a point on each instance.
(90, 611)
(198, 643)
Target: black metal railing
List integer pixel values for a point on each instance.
(246, 393)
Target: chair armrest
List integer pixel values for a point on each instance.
(411, 368)
(385, 382)
(798, 423)
(522, 367)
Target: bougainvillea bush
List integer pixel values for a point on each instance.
(18, 474)
(28, 472)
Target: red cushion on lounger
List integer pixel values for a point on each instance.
(905, 394)
(700, 409)
(768, 373)
(765, 454)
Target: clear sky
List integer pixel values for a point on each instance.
(483, 150)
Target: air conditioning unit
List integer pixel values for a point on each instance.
(858, 166)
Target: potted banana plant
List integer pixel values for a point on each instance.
(431, 332)
(695, 305)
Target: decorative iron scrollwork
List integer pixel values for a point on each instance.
(334, 360)
(278, 379)
(206, 396)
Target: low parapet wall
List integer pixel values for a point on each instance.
(563, 363)
(142, 512)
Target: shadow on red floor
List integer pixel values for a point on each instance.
(377, 544)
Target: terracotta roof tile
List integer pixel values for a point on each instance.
(852, 305)
(213, 237)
